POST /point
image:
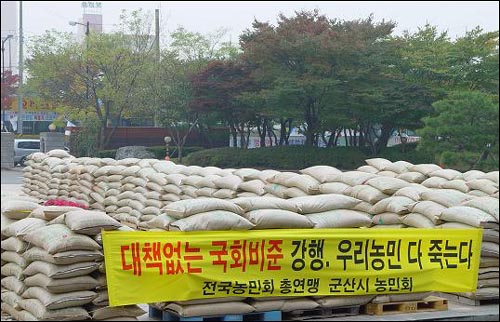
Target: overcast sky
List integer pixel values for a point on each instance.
(454, 16)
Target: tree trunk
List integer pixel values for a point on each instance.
(385, 135)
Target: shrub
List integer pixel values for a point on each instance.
(281, 158)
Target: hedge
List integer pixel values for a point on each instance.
(159, 152)
(280, 158)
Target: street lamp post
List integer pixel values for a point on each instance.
(4, 40)
(167, 139)
(87, 32)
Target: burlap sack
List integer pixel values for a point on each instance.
(186, 208)
(212, 220)
(321, 203)
(277, 219)
(42, 313)
(341, 218)
(62, 285)
(22, 227)
(60, 271)
(256, 203)
(58, 238)
(216, 309)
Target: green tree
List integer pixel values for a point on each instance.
(310, 60)
(187, 54)
(101, 76)
(464, 133)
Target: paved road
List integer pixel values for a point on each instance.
(14, 176)
(11, 181)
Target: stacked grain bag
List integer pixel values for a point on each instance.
(63, 258)
(15, 224)
(35, 176)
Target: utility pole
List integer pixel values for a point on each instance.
(4, 120)
(21, 67)
(157, 61)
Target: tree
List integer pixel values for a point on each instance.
(465, 130)
(101, 79)
(216, 90)
(187, 54)
(9, 89)
(309, 59)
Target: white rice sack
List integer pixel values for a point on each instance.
(18, 209)
(12, 299)
(191, 180)
(447, 198)
(62, 285)
(189, 191)
(162, 221)
(256, 203)
(341, 218)
(430, 209)
(208, 181)
(175, 178)
(379, 163)
(89, 222)
(102, 313)
(22, 227)
(206, 192)
(13, 257)
(320, 172)
(38, 311)
(14, 244)
(351, 178)
(366, 193)
(333, 187)
(59, 301)
(225, 194)
(255, 186)
(459, 185)
(281, 177)
(214, 309)
(294, 192)
(57, 238)
(448, 174)
(367, 169)
(62, 258)
(186, 208)
(492, 176)
(246, 173)
(60, 271)
(245, 194)
(412, 192)
(276, 189)
(417, 220)
(387, 185)
(321, 203)
(486, 204)
(390, 174)
(473, 174)
(425, 169)
(363, 206)
(484, 185)
(434, 182)
(396, 204)
(478, 193)
(277, 219)
(398, 167)
(454, 225)
(304, 182)
(260, 175)
(386, 218)
(212, 220)
(228, 182)
(467, 215)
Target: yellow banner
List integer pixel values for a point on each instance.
(146, 267)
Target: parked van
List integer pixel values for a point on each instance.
(23, 148)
